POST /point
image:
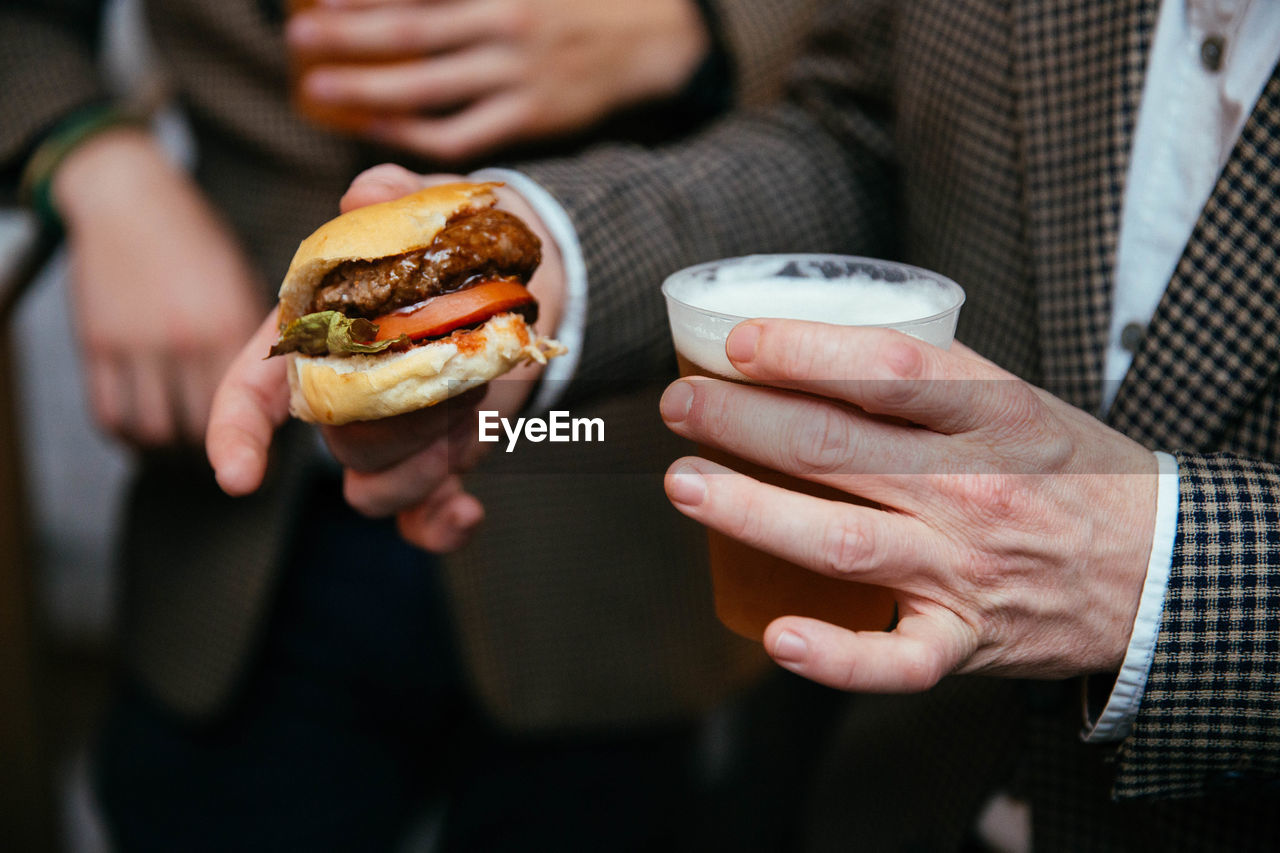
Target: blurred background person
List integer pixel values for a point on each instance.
(291, 674)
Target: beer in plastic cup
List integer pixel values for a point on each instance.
(704, 302)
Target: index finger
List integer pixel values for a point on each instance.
(882, 371)
(251, 402)
(390, 31)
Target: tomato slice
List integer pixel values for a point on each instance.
(441, 314)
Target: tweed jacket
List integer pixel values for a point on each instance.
(586, 611)
(989, 140)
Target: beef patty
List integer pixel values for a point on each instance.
(472, 247)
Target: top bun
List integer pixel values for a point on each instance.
(376, 231)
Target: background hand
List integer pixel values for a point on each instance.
(471, 75)
(162, 295)
(1014, 528)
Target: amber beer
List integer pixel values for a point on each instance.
(752, 587)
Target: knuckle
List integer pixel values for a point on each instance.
(800, 356)
(907, 358)
(517, 22)
(1022, 407)
(823, 441)
(892, 394)
(509, 65)
(844, 546)
(1019, 415)
(709, 413)
(1049, 446)
(973, 569)
(746, 524)
(993, 496)
(923, 666)
(523, 112)
(1056, 449)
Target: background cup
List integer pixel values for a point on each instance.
(704, 303)
(339, 117)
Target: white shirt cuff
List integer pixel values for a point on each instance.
(573, 319)
(1117, 716)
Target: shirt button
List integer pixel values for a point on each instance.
(1131, 336)
(1211, 51)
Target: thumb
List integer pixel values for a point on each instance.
(251, 402)
(909, 659)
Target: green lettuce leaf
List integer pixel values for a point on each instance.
(330, 333)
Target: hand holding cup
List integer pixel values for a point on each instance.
(1014, 529)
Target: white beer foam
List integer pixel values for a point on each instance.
(856, 300)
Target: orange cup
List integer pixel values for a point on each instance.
(340, 117)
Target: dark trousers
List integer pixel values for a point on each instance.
(355, 719)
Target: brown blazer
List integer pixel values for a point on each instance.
(587, 609)
(989, 139)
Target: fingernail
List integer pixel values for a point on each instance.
(741, 345)
(790, 648)
(676, 401)
(687, 486)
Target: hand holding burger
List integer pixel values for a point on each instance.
(402, 464)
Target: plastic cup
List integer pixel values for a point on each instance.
(704, 302)
(339, 117)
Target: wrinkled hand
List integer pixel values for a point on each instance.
(1014, 528)
(480, 74)
(406, 466)
(162, 295)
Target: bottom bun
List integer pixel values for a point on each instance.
(341, 389)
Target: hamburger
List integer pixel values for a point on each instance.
(397, 306)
